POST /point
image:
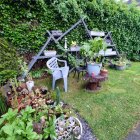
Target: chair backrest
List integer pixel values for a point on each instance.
(52, 63)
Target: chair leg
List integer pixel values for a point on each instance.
(53, 84)
(78, 76)
(65, 84)
(74, 73)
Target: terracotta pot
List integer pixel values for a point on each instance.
(104, 72)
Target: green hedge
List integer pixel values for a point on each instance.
(123, 21)
(9, 64)
(24, 22)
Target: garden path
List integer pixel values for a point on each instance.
(134, 134)
(87, 132)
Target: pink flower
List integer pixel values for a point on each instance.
(92, 75)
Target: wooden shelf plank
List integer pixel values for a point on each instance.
(44, 57)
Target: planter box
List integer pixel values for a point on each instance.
(49, 53)
(56, 33)
(74, 49)
(96, 33)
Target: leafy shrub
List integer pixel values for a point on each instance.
(38, 73)
(19, 128)
(9, 66)
(3, 105)
(22, 127)
(26, 27)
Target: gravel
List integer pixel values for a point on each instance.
(134, 134)
(87, 132)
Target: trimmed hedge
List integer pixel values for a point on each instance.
(9, 64)
(24, 22)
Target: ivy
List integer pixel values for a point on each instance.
(9, 66)
(24, 22)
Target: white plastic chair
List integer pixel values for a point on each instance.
(58, 72)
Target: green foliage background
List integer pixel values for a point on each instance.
(9, 61)
(24, 22)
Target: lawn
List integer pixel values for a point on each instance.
(114, 110)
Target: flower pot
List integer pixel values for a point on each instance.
(44, 90)
(97, 33)
(104, 72)
(120, 67)
(75, 48)
(19, 89)
(94, 68)
(30, 85)
(50, 53)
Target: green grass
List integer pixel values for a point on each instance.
(115, 109)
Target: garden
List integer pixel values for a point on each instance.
(69, 69)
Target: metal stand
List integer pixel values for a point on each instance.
(52, 37)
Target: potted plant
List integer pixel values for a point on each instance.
(120, 65)
(30, 82)
(74, 46)
(90, 50)
(104, 72)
